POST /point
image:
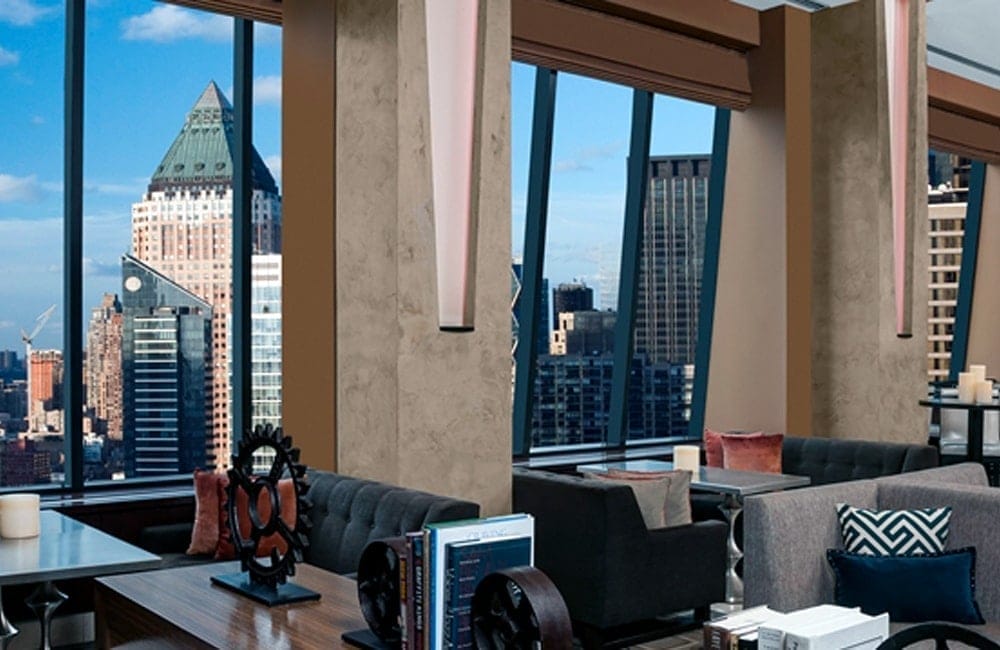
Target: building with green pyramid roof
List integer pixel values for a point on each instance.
(183, 229)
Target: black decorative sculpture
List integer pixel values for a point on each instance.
(378, 595)
(266, 582)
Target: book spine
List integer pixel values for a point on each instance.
(403, 600)
(450, 585)
(415, 610)
(769, 638)
(428, 612)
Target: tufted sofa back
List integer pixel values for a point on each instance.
(832, 460)
(348, 513)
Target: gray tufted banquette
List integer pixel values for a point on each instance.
(348, 513)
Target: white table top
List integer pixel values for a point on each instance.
(711, 479)
(68, 549)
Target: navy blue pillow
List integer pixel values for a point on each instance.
(912, 589)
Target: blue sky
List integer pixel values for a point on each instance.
(589, 149)
(146, 64)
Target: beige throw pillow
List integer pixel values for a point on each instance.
(663, 497)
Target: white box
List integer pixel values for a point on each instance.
(771, 635)
(856, 631)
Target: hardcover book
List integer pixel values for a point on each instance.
(467, 563)
(437, 536)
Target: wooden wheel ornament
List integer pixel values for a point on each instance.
(520, 608)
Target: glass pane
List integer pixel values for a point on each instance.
(157, 239)
(522, 81)
(266, 262)
(948, 189)
(586, 208)
(31, 206)
(671, 262)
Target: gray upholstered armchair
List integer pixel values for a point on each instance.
(613, 572)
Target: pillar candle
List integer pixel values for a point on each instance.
(978, 372)
(19, 516)
(687, 457)
(966, 387)
(984, 392)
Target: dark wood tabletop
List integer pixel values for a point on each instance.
(180, 608)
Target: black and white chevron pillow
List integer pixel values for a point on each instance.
(893, 532)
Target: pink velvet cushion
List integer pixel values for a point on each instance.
(755, 452)
(713, 445)
(205, 534)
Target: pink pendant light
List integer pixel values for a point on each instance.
(897, 23)
(452, 55)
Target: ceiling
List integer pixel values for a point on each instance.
(961, 34)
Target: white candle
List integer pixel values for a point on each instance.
(984, 392)
(978, 372)
(687, 457)
(19, 516)
(966, 387)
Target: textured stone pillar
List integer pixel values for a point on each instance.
(416, 406)
(866, 381)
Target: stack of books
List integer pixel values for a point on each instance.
(441, 568)
(824, 627)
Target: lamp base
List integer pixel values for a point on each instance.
(282, 595)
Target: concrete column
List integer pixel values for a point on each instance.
(416, 406)
(866, 381)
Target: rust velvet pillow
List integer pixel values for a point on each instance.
(205, 534)
(755, 452)
(713, 445)
(225, 550)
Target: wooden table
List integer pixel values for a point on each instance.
(180, 608)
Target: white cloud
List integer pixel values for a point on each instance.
(19, 188)
(581, 159)
(117, 189)
(98, 268)
(23, 12)
(166, 23)
(267, 90)
(37, 120)
(8, 58)
(274, 164)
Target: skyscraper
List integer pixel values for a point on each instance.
(166, 349)
(672, 258)
(266, 340)
(570, 296)
(103, 367)
(517, 271)
(46, 386)
(182, 228)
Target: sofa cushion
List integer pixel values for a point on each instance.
(826, 460)
(677, 506)
(650, 495)
(713, 445)
(755, 452)
(893, 532)
(205, 533)
(347, 513)
(914, 589)
(226, 550)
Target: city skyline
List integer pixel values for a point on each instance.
(134, 51)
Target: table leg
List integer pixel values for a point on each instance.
(43, 601)
(732, 507)
(974, 440)
(7, 631)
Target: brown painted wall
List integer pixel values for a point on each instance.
(308, 156)
(758, 338)
(984, 344)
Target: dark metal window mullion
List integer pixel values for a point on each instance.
(635, 204)
(536, 216)
(241, 353)
(710, 269)
(73, 246)
(967, 270)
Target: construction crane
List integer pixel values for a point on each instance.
(28, 338)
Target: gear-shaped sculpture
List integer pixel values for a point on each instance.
(267, 582)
